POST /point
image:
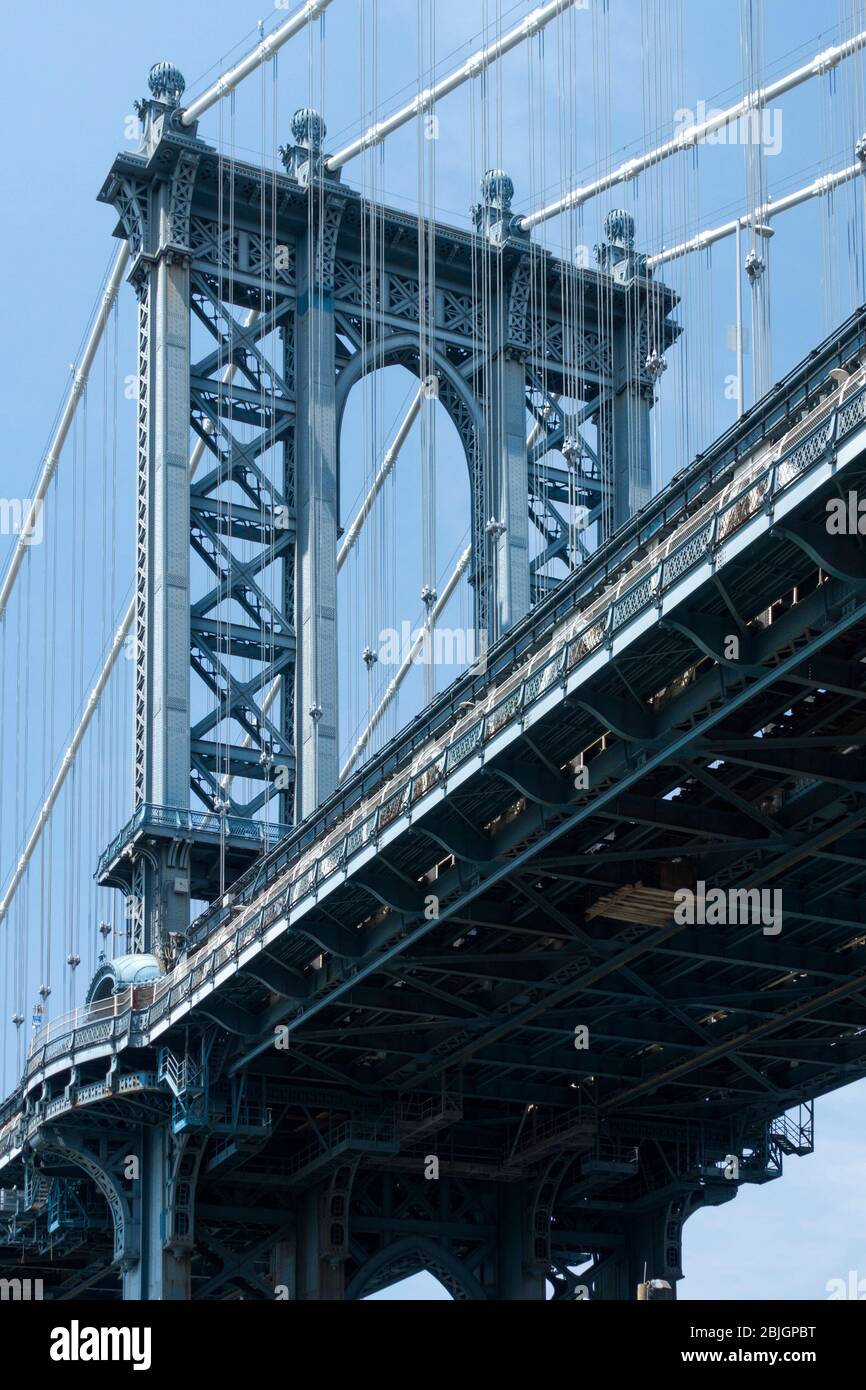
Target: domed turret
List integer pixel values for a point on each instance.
(114, 976)
(308, 128)
(493, 214)
(166, 83)
(497, 189)
(617, 255)
(303, 159)
(619, 228)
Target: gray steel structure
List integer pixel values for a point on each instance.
(509, 328)
(259, 1118)
(300, 1170)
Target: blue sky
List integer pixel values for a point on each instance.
(602, 85)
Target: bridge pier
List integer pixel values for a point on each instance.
(652, 1249)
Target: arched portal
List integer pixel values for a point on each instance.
(406, 606)
(440, 378)
(409, 1256)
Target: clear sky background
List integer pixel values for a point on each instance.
(603, 84)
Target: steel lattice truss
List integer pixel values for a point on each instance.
(262, 250)
(260, 587)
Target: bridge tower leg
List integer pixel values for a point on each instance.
(634, 370)
(162, 594)
(159, 897)
(632, 464)
(162, 1270)
(505, 397)
(509, 524)
(518, 1278)
(316, 720)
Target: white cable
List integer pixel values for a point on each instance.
(122, 633)
(76, 390)
(478, 63)
(378, 483)
(688, 137)
(265, 50)
(406, 664)
(68, 760)
(824, 184)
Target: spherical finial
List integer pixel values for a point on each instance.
(619, 228)
(166, 83)
(497, 189)
(308, 128)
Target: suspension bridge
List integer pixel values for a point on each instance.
(377, 995)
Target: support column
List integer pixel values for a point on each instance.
(162, 1271)
(508, 522)
(518, 1279)
(167, 638)
(284, 1260)
(286, 699)
(632, 463)
(635, 364)
(509, 525)
(318, 1277)
(155, 217)
(316, 726)
(169, 534)
(652, 1249)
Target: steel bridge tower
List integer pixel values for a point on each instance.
(272, 266)
(212, 238)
